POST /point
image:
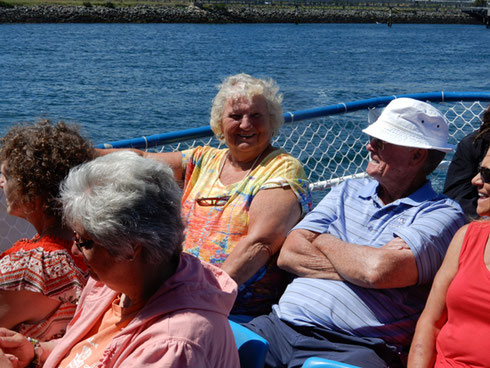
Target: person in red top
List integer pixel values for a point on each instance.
(454, 327)
(40, 279)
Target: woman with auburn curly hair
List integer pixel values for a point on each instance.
(40, 280)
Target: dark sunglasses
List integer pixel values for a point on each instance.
(378, 144)
(485, 174)
(87, 244)
(213, 201)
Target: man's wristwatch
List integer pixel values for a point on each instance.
(38, 353)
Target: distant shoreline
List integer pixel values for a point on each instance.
(228, 14)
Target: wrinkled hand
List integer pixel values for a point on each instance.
(396, 244)
(14, 343)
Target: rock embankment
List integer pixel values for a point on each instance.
(226, 14)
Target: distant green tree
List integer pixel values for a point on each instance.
(480, 3)
(4, 4)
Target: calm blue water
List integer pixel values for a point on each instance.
(126, 80)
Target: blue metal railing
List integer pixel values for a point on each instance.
(290, 117)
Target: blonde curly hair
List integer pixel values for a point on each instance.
(244, 85)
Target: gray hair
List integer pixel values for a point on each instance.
(244, 85)
(121, 200)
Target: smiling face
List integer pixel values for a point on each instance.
(483, 203)
(246, 126)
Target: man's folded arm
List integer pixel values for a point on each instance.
(309, 254)
(390, 266)
(299, 256)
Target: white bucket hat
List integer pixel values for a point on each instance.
(411, 123)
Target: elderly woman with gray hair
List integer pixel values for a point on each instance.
(146, 303)
(240, 202)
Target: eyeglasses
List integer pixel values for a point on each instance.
(484, 173)
(87, 244)
(377, 143)
(213, 201)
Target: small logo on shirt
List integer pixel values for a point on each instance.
(401, 220)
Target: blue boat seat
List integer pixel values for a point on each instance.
(252, 348)
(315, 362)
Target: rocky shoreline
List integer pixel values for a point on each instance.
(227, 14)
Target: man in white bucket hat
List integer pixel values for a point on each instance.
(411, 123)
(366, 256)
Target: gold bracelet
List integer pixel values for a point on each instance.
(38, 352)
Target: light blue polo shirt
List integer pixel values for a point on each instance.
(353, 212)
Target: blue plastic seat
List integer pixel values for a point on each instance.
(315, 362)
(252, 348)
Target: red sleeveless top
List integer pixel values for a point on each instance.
(464, 341)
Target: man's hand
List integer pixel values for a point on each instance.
(300, 256)
(396, 243)
(391, 266)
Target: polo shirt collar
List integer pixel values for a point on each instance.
(424, 193)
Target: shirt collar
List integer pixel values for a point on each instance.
(424, 193)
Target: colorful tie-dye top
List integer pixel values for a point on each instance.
(212, 231)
